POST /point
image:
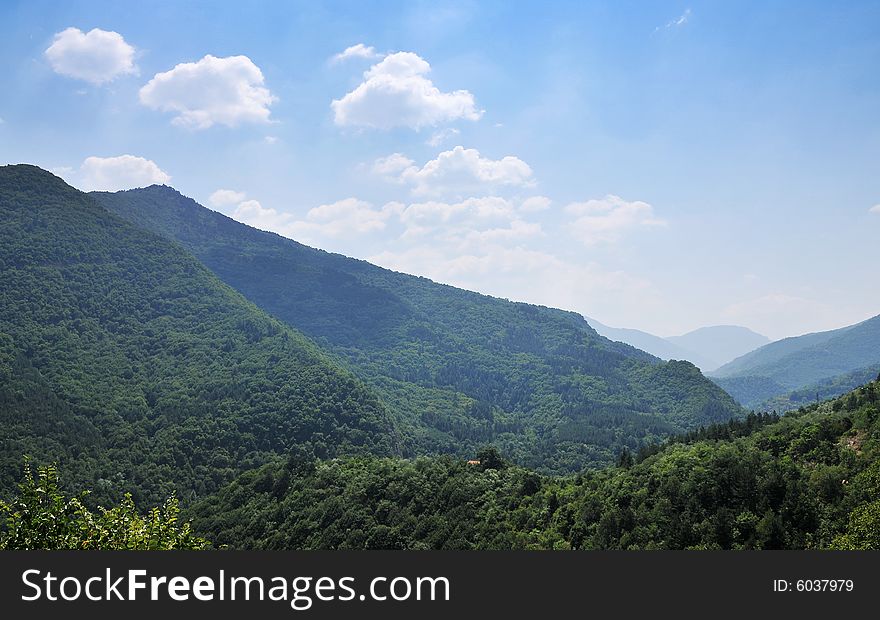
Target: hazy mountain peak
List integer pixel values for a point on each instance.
(720, 343)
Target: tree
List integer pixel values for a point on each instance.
(42, 517)
(863, 529)
(490, 458)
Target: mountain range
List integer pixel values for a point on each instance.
(785, 373)
(458, 369)
(293, 398)
(708, 348)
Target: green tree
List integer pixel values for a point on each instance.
(42, 517)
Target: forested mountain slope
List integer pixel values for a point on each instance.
(797, 363)
(809, 480)
(459, 369)
(125, 359)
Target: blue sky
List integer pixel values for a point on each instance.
(658, 165)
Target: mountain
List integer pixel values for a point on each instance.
(719, 344)
(128, 361)
(821, 390)
(458, 369)
(655, 345)
(707, 347)
(799, 362)
(808, 480)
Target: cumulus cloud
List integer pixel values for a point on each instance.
(525, 274)
(397, 92)
(470, 211)
(457, 172)
(348, 217)
(392, 167)
(358, 50)
(606, 219)
(96, 56)
(439, 137)
(345, 218)
(875, 209)
(225, 91)
(116, 173)
(226, 197)
(479, 243)
(535, 204)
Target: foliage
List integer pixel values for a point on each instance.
(808, 480)
(458, 369)
(42, 517)
(791, 371)
(129, 363)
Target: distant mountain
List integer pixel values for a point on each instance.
(797, 363)
(707, 347)
(126, 360)
(458, 369)
(655, 345)
(719, 344)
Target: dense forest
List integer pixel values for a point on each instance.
(129, 363)
(456, 368)
(806, 480)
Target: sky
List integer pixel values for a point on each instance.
(654, 165)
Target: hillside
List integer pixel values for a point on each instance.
(458, 369)
(126, 360)
(719, 343)
(809, 480)
(798, 363)
(821, 390)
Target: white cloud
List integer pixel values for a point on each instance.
(225, 91)
(535, 204)
(97, 56)
(226, 197)
(525, 274)
(116, 173)
(358, 50)
(457, 172)
(875, 209)
(396, 92)
(605, 220)
(345, 218)
(252, 213)
(467, 215)
(479, 243)
(392, 167)
(439, 137)
(679, 21)
(271, 139)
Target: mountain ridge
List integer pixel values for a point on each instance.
(459, 367)
(142, 364)
(798, 362)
